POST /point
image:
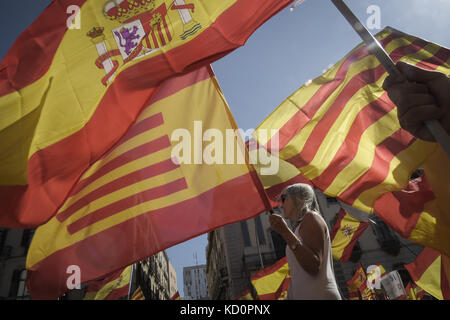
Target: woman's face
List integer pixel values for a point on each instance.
(289, 208)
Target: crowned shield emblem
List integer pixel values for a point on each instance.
(144, 26)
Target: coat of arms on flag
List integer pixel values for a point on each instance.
(140, 27)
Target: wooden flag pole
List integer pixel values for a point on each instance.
(378, 51)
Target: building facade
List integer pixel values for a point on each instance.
(14, 245)
(153, 276)
(236, 251)
(195, 284)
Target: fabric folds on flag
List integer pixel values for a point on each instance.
(138, 294)
(412, 213)
(345, 234)
(176, 296)
(111, 287)
(163, 183)
(427, 272)
(272, 283)
(341, 130)
(275, 173)
(246, 295)
(67, 96)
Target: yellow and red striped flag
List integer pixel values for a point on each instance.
(272, 283)
(246, 295)
(67, 96)
(428, 273)
(151, 190)
(342, 133)
(111, 287)
(345, 234)
(176, 296)
(138, 294)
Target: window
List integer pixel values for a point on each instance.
(245, 234)
(18, 285)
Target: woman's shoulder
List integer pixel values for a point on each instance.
(313, 217)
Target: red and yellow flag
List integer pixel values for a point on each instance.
(163, 183)
(345, 234)
(428, 273)
(111, 287)
(176, 296)
(246, 295)
(138, 294)
(411, 212)
(413, 292)
(68, 95)
(274, 181)
(342, 133)
(272, 283)
(357, 286)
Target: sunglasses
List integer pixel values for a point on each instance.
(283, 198)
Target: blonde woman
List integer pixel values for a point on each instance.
(308, 249)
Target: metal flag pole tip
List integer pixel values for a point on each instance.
(296, 4)
(378, 51)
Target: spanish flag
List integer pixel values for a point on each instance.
(68, 95)
(111, 287)
(164, 182)
(413, 292)
(428, 273)
(272, 283)
(357, 286)
(341, 131)
(345, 234)
(138, 294)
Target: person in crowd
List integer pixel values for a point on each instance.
(420, 95)
(308, 249)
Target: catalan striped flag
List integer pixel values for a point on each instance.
(345, 234)
(427, 272)
(163, 183)
(341, 130)
(111, 287)
(138, 294)
(272, 283)
(67, 96)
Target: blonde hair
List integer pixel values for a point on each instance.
(302, 194)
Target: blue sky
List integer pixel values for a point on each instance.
(279, 58)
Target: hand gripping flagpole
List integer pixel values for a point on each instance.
(378, 51)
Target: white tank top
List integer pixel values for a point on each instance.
(304, 286)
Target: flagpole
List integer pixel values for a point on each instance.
(257, 245)
(131, 281)
(378, 51)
